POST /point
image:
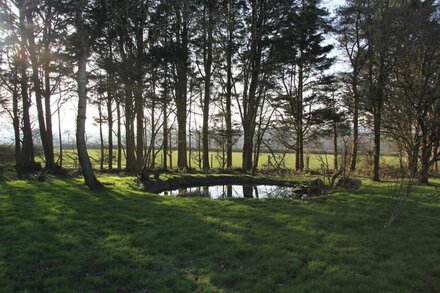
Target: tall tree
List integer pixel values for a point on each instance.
(28, 162)
(415, 88)
(208, 28)
(31, 8)
(262, 27)
(181, 59)
(228, 37)
(9, 87)
(10, 66)
(129, 21)
(380, 38)
(304, 59)
(140, 20)
(87, 20)
(160, 54)
(351, 18)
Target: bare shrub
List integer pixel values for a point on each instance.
(399, 192)
(343, 171)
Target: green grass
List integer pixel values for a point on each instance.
(59, 236)
(315, 160)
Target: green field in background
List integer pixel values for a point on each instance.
(70, 160)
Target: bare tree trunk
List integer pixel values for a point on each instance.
(28, 145)
(84, 160)
(165, 119)
(181, 65)
(165, 138)
(355, 142)
(81, 78)
(118, 113)
(207, 58)
(151, 148)
(110, 112)
(335, 146)
(153, 132)
(377, 137)
(435, 154)
(257, 149)
(424, 170)
(110, 131)
(130, 164)
(101, 139)
(299, 122)
(181, 105)
(181, 136)
(48, 151)
(228, 116)
(16, 124)
(139, 133)
(48, 113)
(199, 148)
(425, 157)
(301, 151)
(248, 147)
(28, 162)
(127, 77)
(139, 99)
(47, 88)
(171, 149)
(297, 151)
(413, 158)
(189, 140)
(251, 99)
(60, 137)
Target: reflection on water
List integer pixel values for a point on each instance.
(233, 191)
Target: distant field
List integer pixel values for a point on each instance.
(70, 160)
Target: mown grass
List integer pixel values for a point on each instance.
(59, 236)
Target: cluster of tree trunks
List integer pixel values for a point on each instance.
(146, 71)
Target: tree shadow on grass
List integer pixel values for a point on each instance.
(68, 238)
(60, 236)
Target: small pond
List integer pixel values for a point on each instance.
(233, 191)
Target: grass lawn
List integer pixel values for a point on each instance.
(59, 236)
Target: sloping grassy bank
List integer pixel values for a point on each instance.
(59, 236)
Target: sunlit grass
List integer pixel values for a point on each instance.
(315, 160)
(59, 236)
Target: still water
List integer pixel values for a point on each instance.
(233, 191)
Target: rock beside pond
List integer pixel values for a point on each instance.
(349, 184)
(316, 187)
(313, 188)
(145, 175)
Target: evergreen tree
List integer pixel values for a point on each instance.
(303, 60)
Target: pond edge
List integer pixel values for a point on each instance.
(186, 181)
